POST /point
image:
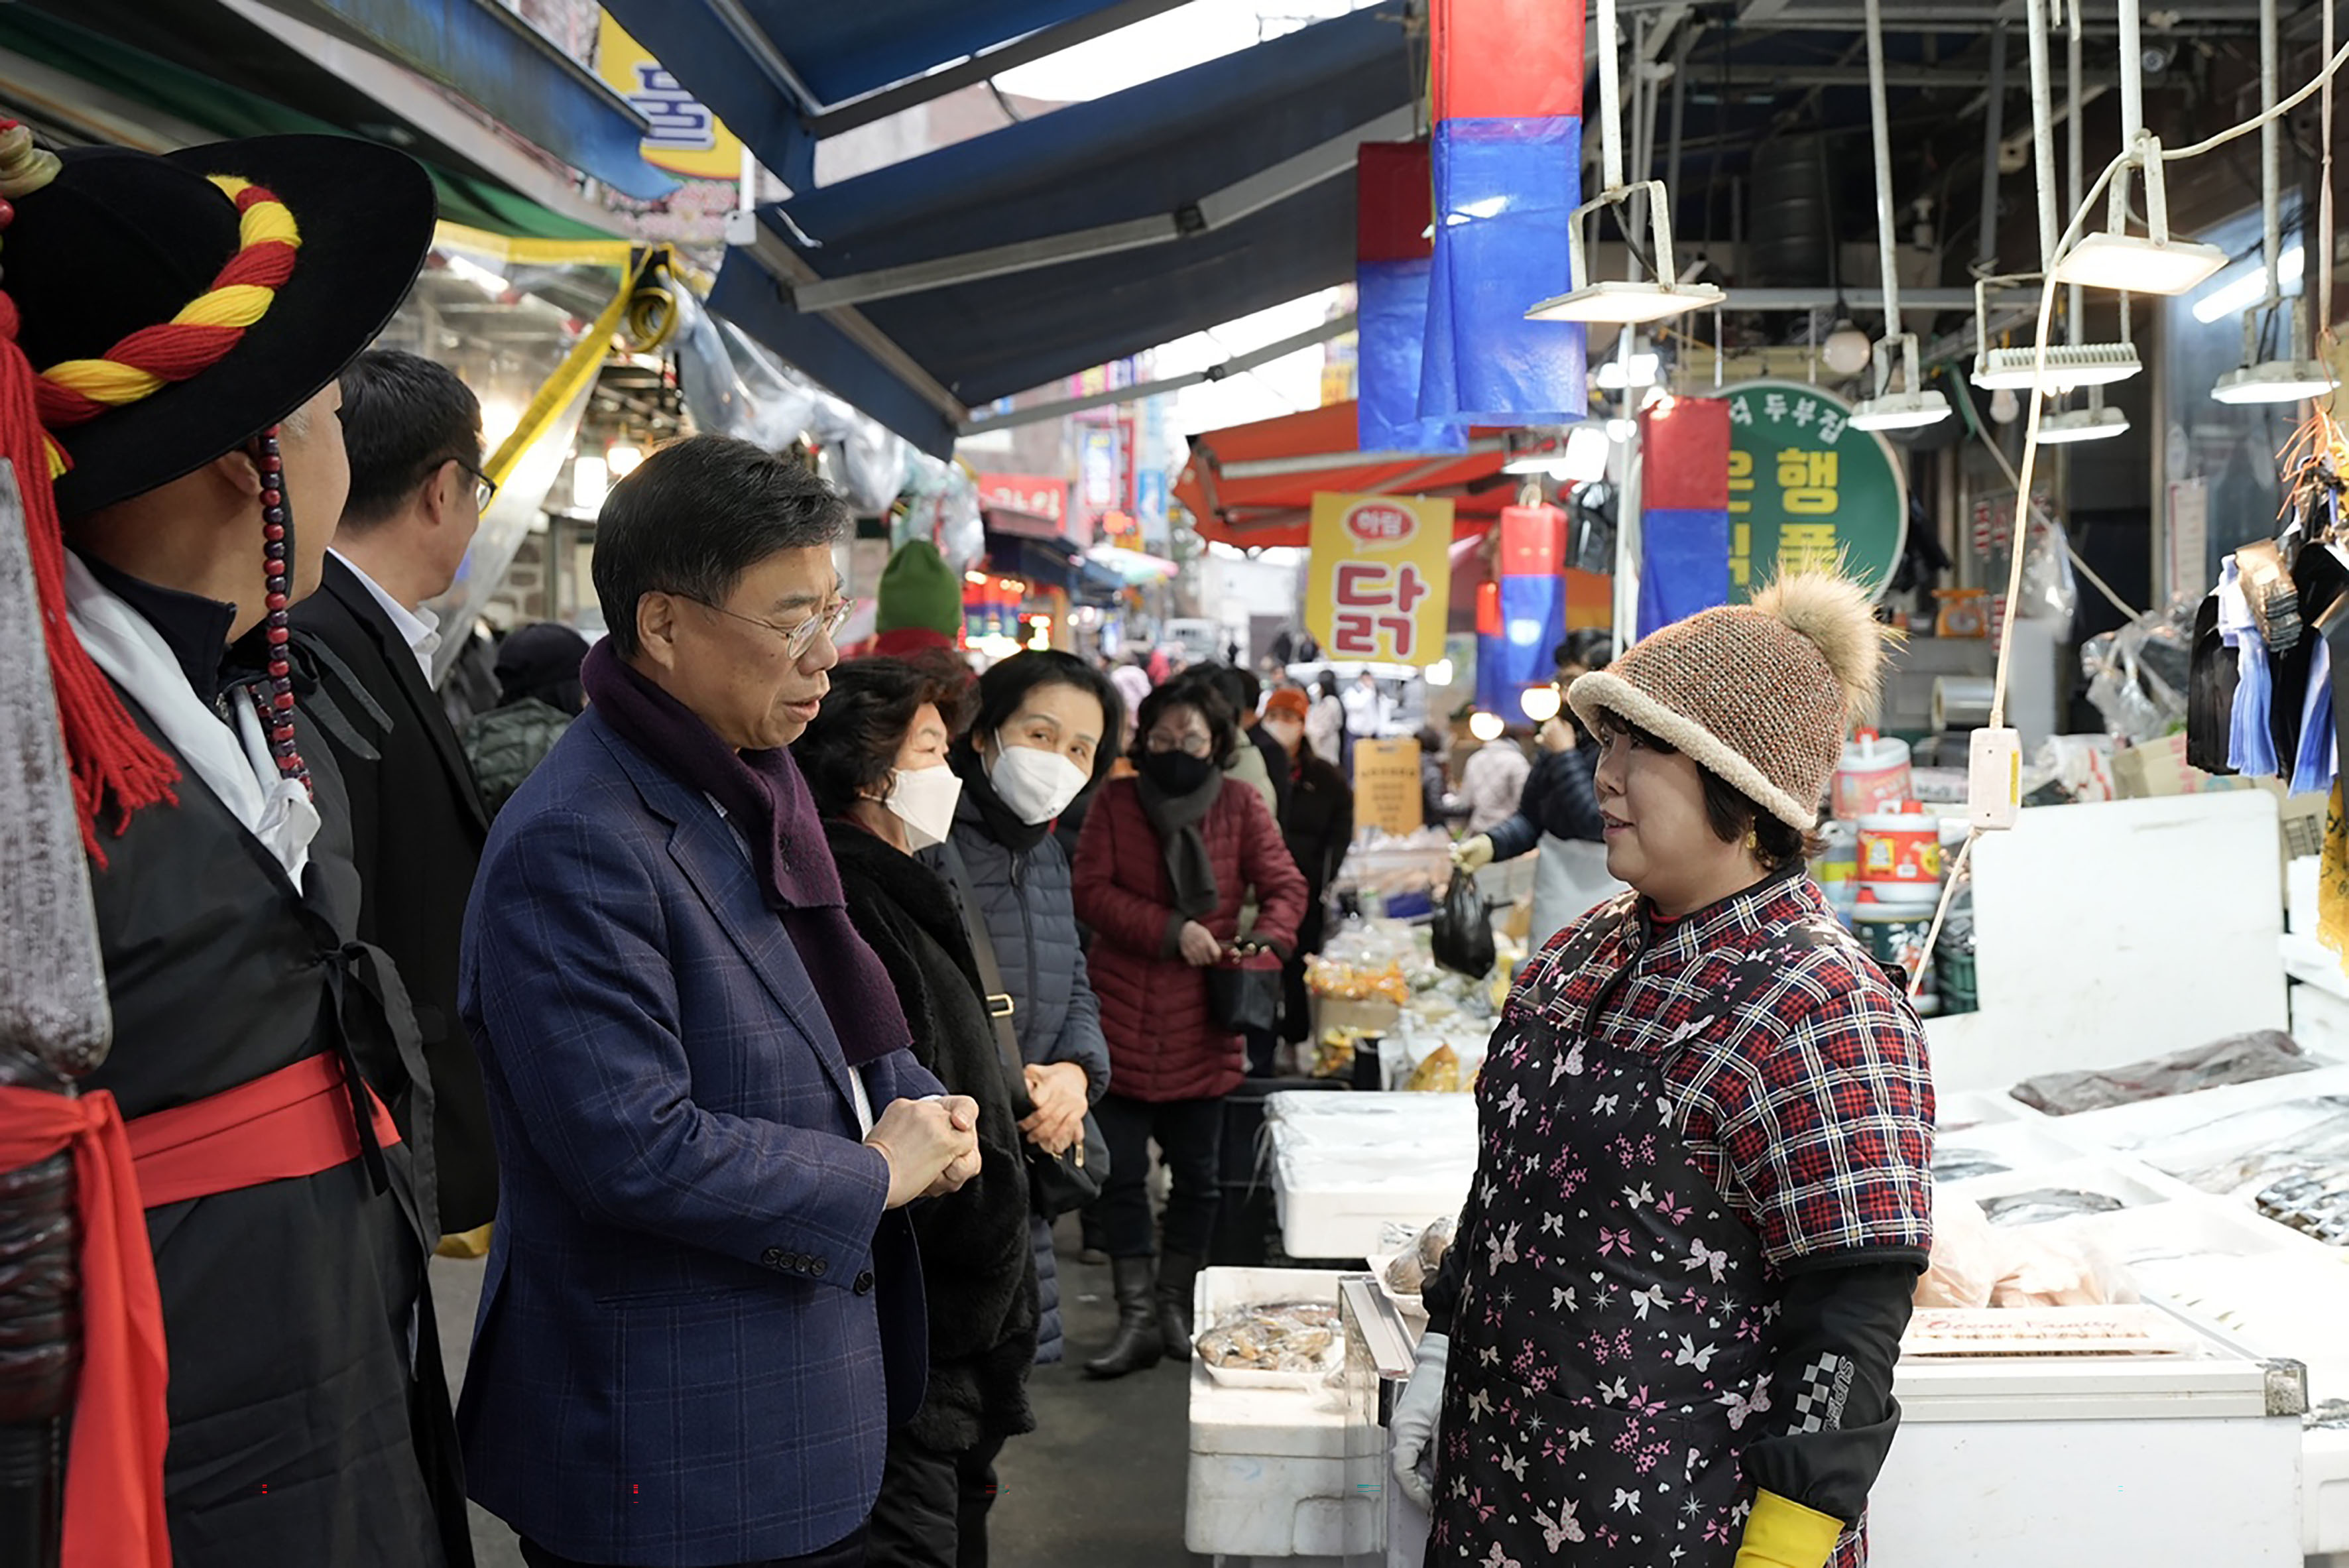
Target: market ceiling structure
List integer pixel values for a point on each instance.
(165, 72)
(927, 290)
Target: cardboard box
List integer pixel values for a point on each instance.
(1375, 1016)
(2159, 767)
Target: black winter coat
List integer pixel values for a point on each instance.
(1027, 899)
(417, 831)
(298, 1433)
(1318, 825)
(977, 1270)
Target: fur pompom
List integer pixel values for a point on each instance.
(1835, 616)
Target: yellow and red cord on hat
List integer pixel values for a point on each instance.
(113, 762)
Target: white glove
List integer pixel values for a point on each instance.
(1415, 1418)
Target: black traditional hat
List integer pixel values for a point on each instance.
(123, 240)
(156, 313)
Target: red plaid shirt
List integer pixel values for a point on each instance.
(1797, 1069)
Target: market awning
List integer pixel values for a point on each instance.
(216, 74)
(1253, 485)
(991, 267)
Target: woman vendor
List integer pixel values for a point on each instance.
(1666, 1329)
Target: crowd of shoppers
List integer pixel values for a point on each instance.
(741, 1003)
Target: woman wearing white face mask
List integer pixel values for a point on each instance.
(1048, 725)
(875, 760)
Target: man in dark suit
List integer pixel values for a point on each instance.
(414, 435)
(704, 1307)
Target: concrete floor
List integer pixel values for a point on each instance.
(1101, 1479)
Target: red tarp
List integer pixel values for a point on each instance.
(1277, 509)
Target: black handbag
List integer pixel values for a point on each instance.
(1056, 1183)
(1244, 991)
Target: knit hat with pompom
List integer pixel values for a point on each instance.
(1761, 694)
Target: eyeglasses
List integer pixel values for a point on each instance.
(485, 488)
(797, 639)
(1192, 745)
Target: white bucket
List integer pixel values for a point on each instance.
(1873, 774)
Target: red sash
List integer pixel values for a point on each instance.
(295, 1121)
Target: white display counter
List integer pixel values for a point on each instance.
(2089, 1461)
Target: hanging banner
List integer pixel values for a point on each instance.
(1806, 489)
(1386, 785)
(681, 136)
(1380, 582)
(1684, 535)
(1505, 80)
(1393, 198)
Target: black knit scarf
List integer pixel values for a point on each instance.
(1176, 818)
(762, 794)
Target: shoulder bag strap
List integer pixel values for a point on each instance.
(1001, 1005)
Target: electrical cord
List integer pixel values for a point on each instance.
(2320, 82)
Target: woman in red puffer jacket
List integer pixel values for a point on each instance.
(1167, 862)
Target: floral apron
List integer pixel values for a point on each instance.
(1611, 1343)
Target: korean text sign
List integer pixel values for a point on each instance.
(1380, 582)
(1806, 489)
(681, 135)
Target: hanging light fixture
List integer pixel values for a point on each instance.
(2073, 362)
(2095, 422)
(2294, 376)
(1915, 405)
(2113, 258)
(1624, 302)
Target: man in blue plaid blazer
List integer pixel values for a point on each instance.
(703, 1309)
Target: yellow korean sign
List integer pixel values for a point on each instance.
(1381, 580)
(682, 135)
(1386, 785)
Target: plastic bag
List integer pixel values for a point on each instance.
(2057, 1265)
(2238, 1058)
(1967, 1250)
(2137, 674)
(1462, 938)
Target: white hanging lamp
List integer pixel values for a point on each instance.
(1624, 302)
(2113, 258)
(2072, 363)
(2095, 422)
(1915, 405)
(2294, 376)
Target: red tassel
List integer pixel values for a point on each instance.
(114, 763)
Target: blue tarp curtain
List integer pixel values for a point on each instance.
(1156, 149)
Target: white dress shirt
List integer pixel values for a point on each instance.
(421, 629)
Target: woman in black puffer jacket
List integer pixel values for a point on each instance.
(1047, 730)
(875, 761)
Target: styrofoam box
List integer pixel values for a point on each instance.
(1270, 1469)
(2300, 889)
(2324, 1490)
(1347, 1165)
(2017, 1145)
(2130, 1128)
(2135, 1186)
(1955, 1115)
(2320, 1021)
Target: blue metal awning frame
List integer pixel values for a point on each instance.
(493, 58)
(996, 265)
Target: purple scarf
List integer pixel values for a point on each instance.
(764, 796)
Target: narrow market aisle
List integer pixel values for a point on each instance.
(1101, 1481)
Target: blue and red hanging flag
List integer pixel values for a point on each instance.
(1683, 510)
(1393, 252)
(1507, 160)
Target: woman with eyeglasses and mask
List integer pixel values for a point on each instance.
(875, 761)
(1167, 861)
(1048, 727)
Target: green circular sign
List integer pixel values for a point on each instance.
(1805, 489)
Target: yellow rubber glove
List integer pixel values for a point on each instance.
(1473, 853)
(1783, 1533)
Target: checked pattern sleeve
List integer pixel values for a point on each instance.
(1822, 1115)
